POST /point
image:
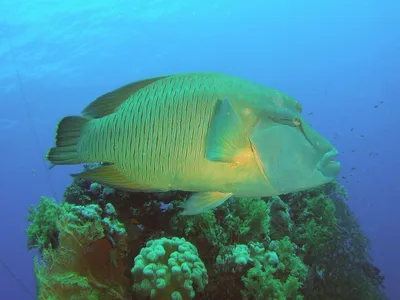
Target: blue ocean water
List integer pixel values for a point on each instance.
(338, 58)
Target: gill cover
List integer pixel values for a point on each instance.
(288, 159)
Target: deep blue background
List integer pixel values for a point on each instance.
(339, 59)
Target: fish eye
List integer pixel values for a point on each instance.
(297, 122)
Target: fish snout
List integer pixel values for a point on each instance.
(328, 166)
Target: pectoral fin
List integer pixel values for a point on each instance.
(226, 137)
(198, 203)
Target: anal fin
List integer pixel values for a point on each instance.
(109, 176)
(200, 202)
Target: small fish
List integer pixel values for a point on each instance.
(373, 154)
(351, 129)
(310, 113)
(362, 136)
(214, 135)
(376, 106)
(343, 177)
(353, 168)
(353, 150)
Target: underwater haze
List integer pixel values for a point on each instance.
(339, 59)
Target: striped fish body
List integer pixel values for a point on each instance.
(157, 138)
(201, 132)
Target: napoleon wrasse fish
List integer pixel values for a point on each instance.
(212, 134)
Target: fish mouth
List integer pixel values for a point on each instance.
(328, 166)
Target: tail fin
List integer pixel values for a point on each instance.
(68, 133)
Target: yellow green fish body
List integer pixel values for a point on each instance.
(191, 132)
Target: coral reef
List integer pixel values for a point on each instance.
(102, 243)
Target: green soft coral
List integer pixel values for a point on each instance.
(333, 246)
(239, 220)
(317, 225)
(246, 219)
(276, 282)
(280, 222)
(198, 228)
(42, 231)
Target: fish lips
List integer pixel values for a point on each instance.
(327, 166)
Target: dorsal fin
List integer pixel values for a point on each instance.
(108, 103)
